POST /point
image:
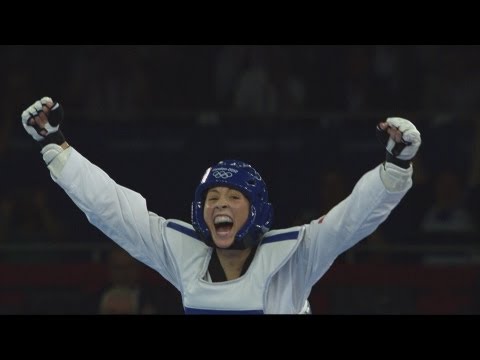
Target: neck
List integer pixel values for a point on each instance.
(233, 261)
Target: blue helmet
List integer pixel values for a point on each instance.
(244, 178)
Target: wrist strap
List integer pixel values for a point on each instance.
(405, 164)
(54, 138)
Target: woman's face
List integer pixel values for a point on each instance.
(225, 212)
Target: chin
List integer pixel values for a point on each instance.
(223, 244)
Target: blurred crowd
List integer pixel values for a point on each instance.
(125, 81)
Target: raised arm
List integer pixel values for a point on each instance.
(373, 198)
(118, 212)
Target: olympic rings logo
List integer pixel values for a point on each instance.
(220, 174)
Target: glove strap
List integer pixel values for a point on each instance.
(55, 118)
(54, 138)
(405, 164)
(383, 137)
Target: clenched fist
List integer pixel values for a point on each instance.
(401, 140)
(42, 121)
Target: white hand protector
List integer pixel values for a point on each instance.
(411, 140)
(49, 132)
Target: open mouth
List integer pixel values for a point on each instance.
(223, 225)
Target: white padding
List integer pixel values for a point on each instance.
(395, 178)
(55, 157)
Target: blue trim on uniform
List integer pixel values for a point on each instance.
(191, 311)
(183, 230)
(281, 237)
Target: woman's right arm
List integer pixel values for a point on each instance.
(120, 213)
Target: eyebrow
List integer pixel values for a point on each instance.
(218, 192)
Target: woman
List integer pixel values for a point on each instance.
(228, 261)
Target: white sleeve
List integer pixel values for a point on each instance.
(120, 213)
(356, 217)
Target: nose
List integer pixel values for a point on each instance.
(222, 203)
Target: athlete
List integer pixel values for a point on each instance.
(228, 261)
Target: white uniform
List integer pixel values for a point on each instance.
(286, 265)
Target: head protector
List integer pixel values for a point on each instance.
(244, 178)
